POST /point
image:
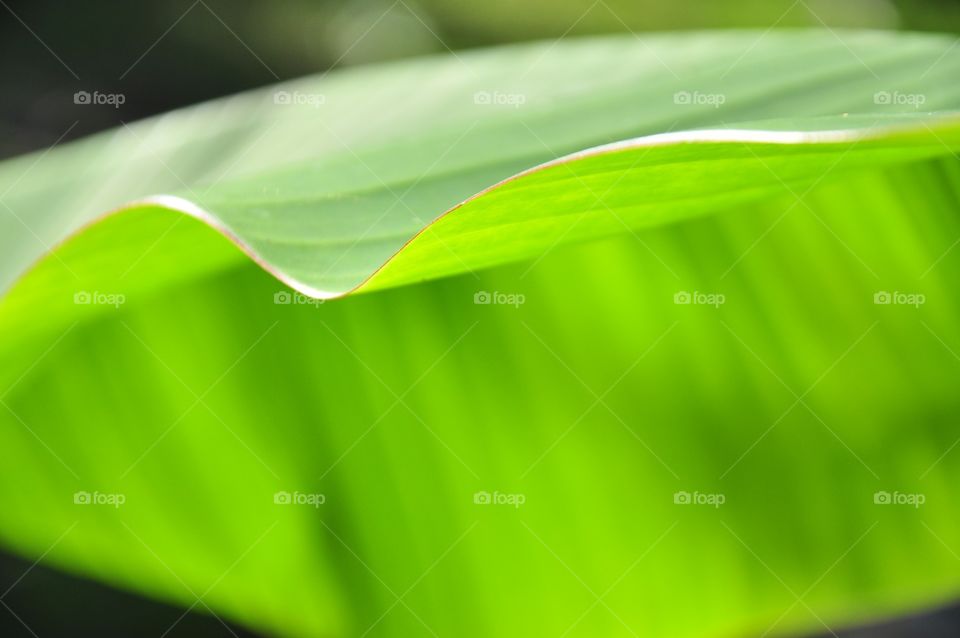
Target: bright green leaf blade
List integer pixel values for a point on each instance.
(701, 399)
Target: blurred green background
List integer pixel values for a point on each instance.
(163, 55)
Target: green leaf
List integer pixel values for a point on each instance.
(326, 189)
(587, 388)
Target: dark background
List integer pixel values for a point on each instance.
(163, 55)
(166, 54)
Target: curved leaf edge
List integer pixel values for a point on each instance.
(923, 128)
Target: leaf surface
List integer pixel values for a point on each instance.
(588, 385)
